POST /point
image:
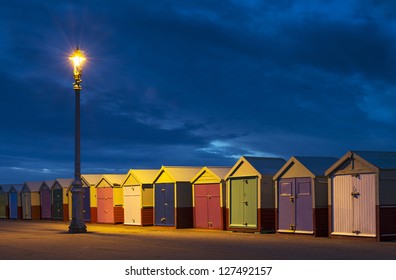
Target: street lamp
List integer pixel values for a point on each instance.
(77, 224)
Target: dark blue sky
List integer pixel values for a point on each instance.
(193, 82)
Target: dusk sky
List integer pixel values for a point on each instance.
(193, 82)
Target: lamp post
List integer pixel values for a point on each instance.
(77, 224)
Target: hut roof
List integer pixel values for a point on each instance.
(382, 160)
(179, 173)
(33, 186)
(144, 176)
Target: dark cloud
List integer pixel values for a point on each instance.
(193, 82)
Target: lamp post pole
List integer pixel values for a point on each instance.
(77, 224)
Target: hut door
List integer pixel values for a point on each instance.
(303, 205)
(295, 205)
(363, 203)
(13, 204)
(2, 204)
(164, 205)
(354, 205)
(26, 206)
(57, 203)
(250, 203)
(243, 206)
(132, 203)
(286, 215)
(45, 201)
(87, 204)
(105, 205)
(201, 206)
(214, 210)
(342, 204)
(207, 206)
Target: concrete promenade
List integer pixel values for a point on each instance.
(49, 240)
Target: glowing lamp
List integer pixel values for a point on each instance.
(78, 60)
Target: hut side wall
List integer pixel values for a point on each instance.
(94, 204)
(3, 205)
(387, 205)
(320, 185)
(267, 212)
(147, 216)
(183, 205)
(147, 195)
(118, 196)
(387, 193)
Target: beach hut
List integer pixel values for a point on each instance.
(250, 194)
(45, 199)
(138, 197)
(30, 200)
(301, 195)
(110, 199)
(173, 196)
(362, 195)
(209, 194)
(14, 201)
(60, 200)
(89, 182)
(4, 211)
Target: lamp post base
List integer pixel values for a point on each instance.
(77, 228)
(77, 224)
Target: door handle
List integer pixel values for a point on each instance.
(245, 202)
(163, 219)
(291, 198)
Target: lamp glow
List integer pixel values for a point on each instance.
(78, 59)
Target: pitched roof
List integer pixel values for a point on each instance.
(64, 183)
(144, 176)
(382, 160)
(179, 173)
(5, 188)
(33, 186)
(220, 171)
(113, 179)
(265, 165)
(91, 179)
(317, 165)
(49, 183)
(16, 187)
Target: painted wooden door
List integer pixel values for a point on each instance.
(13, 204)
(26, 206)
(364, 216)
(304, 205)
(57, 203)
(353, 199)
(87, 204)
(286, 209)
(295, 206)
(243, 208)
(164, 204)
(207, 206)
(2, 204)
(105, 205)
(45, 202)
(214, 208)
(132, 205)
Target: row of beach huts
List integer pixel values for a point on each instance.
(351, 196)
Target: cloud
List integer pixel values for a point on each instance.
(193, 82)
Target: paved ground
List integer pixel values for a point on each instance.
(49, 240)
